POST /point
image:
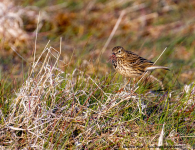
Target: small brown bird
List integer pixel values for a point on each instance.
(130, 64)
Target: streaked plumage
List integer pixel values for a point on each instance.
(130, 64)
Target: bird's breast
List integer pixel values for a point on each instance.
(114, 63)
(124, 68)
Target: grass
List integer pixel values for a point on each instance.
(53, 109)
(65, 100)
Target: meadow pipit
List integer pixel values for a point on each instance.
(130, 64)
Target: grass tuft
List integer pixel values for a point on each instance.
(54, 109)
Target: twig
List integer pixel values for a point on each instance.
(36, 38)
(18, 54)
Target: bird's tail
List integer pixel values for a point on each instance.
(156, 67)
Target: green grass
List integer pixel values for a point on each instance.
(69, 101)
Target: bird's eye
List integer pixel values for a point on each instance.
(119, 50)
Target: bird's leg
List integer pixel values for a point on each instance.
(160, 82)
(134, 85)
(123, 86)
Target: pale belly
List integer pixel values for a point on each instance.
(127, 71)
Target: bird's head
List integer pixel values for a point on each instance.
(118, 51)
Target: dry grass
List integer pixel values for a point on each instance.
(67, 101)
(53, 109)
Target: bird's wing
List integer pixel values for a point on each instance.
(136, 61)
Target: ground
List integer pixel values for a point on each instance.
(58, 87)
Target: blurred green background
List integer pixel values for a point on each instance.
(146, 29)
